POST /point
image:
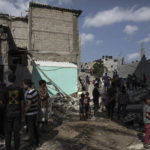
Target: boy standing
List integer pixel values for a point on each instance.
(87, 105)
(146, 116)
(82, 107)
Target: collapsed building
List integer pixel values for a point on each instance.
(47, 33)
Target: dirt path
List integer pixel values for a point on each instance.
(95, 134)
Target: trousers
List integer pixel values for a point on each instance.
(33, 130)
(13, 124)
(147, 134)
(1, 122)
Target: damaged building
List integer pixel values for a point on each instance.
(47, 33)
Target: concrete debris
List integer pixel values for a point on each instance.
(136, 147)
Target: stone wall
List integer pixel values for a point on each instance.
(54, 35)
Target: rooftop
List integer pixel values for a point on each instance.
(56, 64)
(33, 4)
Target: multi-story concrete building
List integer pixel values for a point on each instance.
(53, 33)
(47, 33)
(110, 64)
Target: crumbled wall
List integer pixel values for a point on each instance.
(19, 29)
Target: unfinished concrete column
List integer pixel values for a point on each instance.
(4, 55)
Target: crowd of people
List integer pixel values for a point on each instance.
(28, 106)
(116, 91)
(22, 106)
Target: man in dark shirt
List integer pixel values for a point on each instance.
(2, 108)
(111, 100)
(96, 95)
(14, 110)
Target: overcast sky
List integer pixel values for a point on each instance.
(107, 27)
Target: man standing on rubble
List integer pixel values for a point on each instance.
(111, 100)
(31, 110)
(14, 110)
(106, 81)
(96, 95)
(87, 83)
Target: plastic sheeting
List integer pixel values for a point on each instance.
(64, 75)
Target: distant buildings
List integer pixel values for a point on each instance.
(124, 69)
(110, 64)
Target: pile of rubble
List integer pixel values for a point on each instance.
(62, 106)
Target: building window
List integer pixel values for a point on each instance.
(112, 66)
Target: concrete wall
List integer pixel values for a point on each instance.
(110, 64)
(18, 27)
(19, 30)
(55, 34)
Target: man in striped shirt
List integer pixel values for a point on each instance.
(32, 109)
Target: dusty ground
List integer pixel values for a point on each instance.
(95, 134)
